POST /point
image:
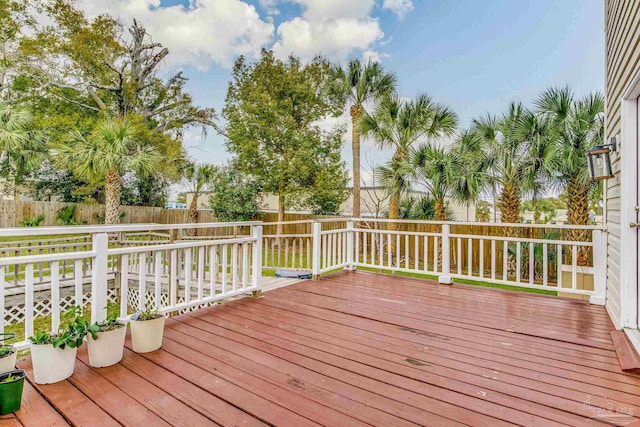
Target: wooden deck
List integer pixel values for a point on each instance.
(360, 349)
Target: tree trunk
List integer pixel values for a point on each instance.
(112, 187)
(394, 207)
(578, 214)
(441, 211)
(356, 113)
(193, 214)
(394, 213)
(510, 208)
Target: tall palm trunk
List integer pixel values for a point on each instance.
(394, 214)
(357, 111)
(510, 207)
(578, 214)
(193, 214)
(112, 188)
(394, 207)
(441, 211)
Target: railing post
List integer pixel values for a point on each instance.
(316, 229)
(599, 240)
(256, 279)
(99, 279)
(350, 239)
(445, 269)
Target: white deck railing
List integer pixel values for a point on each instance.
(45, 270)
(133, 266)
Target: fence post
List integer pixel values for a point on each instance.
(99, 279)
(350, 238)
(316, 229)
(257, 261)
(445, 270)
(599, 240)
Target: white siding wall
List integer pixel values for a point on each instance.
(622, 29)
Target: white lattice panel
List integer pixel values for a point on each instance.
(150, 299)
(42, 308)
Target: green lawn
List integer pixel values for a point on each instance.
(463, 281)
(43, 324)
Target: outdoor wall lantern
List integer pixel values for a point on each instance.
(600, 160)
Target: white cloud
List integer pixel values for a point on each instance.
(334, 28)
(270, 6)
(373, 56)
(205, 33)
(399, 7)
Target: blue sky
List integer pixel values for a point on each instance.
(476, 56)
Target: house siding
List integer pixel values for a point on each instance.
(622, 62)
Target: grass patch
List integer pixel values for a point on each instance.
(43, 323)
(462, 281)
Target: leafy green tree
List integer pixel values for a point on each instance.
(76, 71)
(234, 195)
(360, 83)
(577, 126)
(15, 19)
(107, 154)
(50, 182)
(152, 190)
(273, 109)
(401, 124)
(92, 64)
(328, 185)
(21, 148)
(198, 177)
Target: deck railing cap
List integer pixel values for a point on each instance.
(93, 229)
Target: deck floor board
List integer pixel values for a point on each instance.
(359, 349)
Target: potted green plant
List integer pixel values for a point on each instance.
(7, 352)
(54, 355)
(105, 342)
(147, 329)
(11, 384)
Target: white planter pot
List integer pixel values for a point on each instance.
(50, 364)
(146, 335)
(107, 349)
(8, 363)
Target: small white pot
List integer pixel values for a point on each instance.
(107, 349)
(50, 364)
(8, 363)
(146, 335)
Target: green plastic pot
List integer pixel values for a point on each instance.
(11, 392)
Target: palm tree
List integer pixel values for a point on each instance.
(22, 149)
(578, 126)
(360, 83)
(437, 169)
(197, 177)
(456, 172)
(401, 124)
(395, 178)
(520, 158)
(106, 154)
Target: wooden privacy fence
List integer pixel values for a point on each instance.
(13, 212)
